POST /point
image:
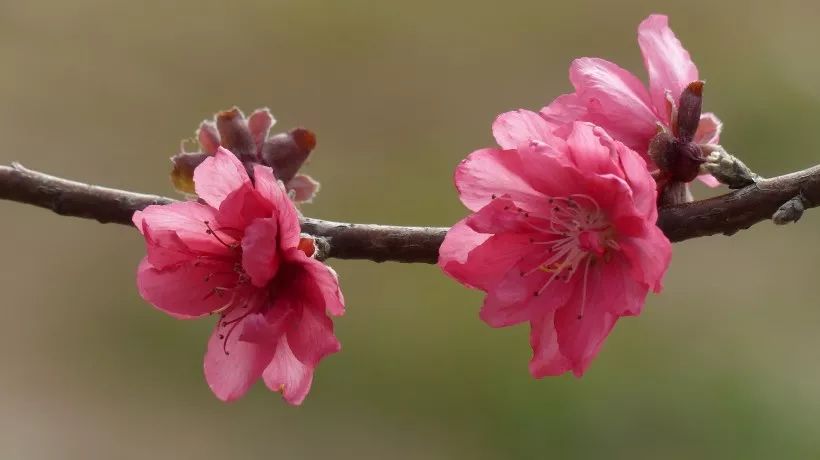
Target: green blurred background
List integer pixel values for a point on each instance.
(724, 364)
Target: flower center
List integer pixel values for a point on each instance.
(577, 235)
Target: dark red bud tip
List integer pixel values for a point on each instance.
(696, 87)
(305, 139)
(229, 114)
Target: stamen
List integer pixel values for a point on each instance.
(211, 231)
(233, 325)
(584, 289)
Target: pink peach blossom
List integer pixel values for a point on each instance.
(562, 236)
(616, 100)
(237, 253)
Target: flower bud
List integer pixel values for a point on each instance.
(286, 152)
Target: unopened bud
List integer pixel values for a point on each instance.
(286, 152)
(182, 176)
(689, 108)
(235, 134)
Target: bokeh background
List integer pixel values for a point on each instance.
(724, 364)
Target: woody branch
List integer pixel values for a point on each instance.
(782, 198)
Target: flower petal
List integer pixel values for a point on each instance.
(615, 100)
(273, 192)
(260, 250)
(240, 208)
(499, 216)
(613, 287)
(525, 293)
(184, 218)
(547, 359)
(232, 365)
(564, 110)
(649, 256)
(287, 374)
(709, 129)
(219, 176)
(311, 335)
(186, 290)
(520, 127)
(669, 65)
(493, 172)
(709, 180)
(480, 261)
(590, 150)
(322, 280)
(580, 339)
(267, 328)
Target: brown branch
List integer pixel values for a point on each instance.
(724, 214)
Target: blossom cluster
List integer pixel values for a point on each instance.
(561, 233)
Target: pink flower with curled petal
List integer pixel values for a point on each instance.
(616, 100)
(562, 236)
(238, 253)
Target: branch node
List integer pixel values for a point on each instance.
(792, 210)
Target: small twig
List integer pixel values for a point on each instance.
(724, 214)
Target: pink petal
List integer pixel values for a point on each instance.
(520, 127)
(208, 137)
(165, 249)
(551, 173)
(588, 152)
(564, 110)
(311, 335)
(493, 172)
(184, 218)
(634, 170)
(669, 66)
(614, 195)
(649, 256)
(304, 188)
(272, 191)
(242, 207)
(547, 359)
(709, 180)
(187, 290)
(259, 123)
(479, 261)
(322, 280)
(514, 300)
(615, 100)
(260, 251)
(580, 339)
(233, 366)
(614, 288)
(287, 374)
(265, 329)
(709, 129)
(500, 215)
(219, 176)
